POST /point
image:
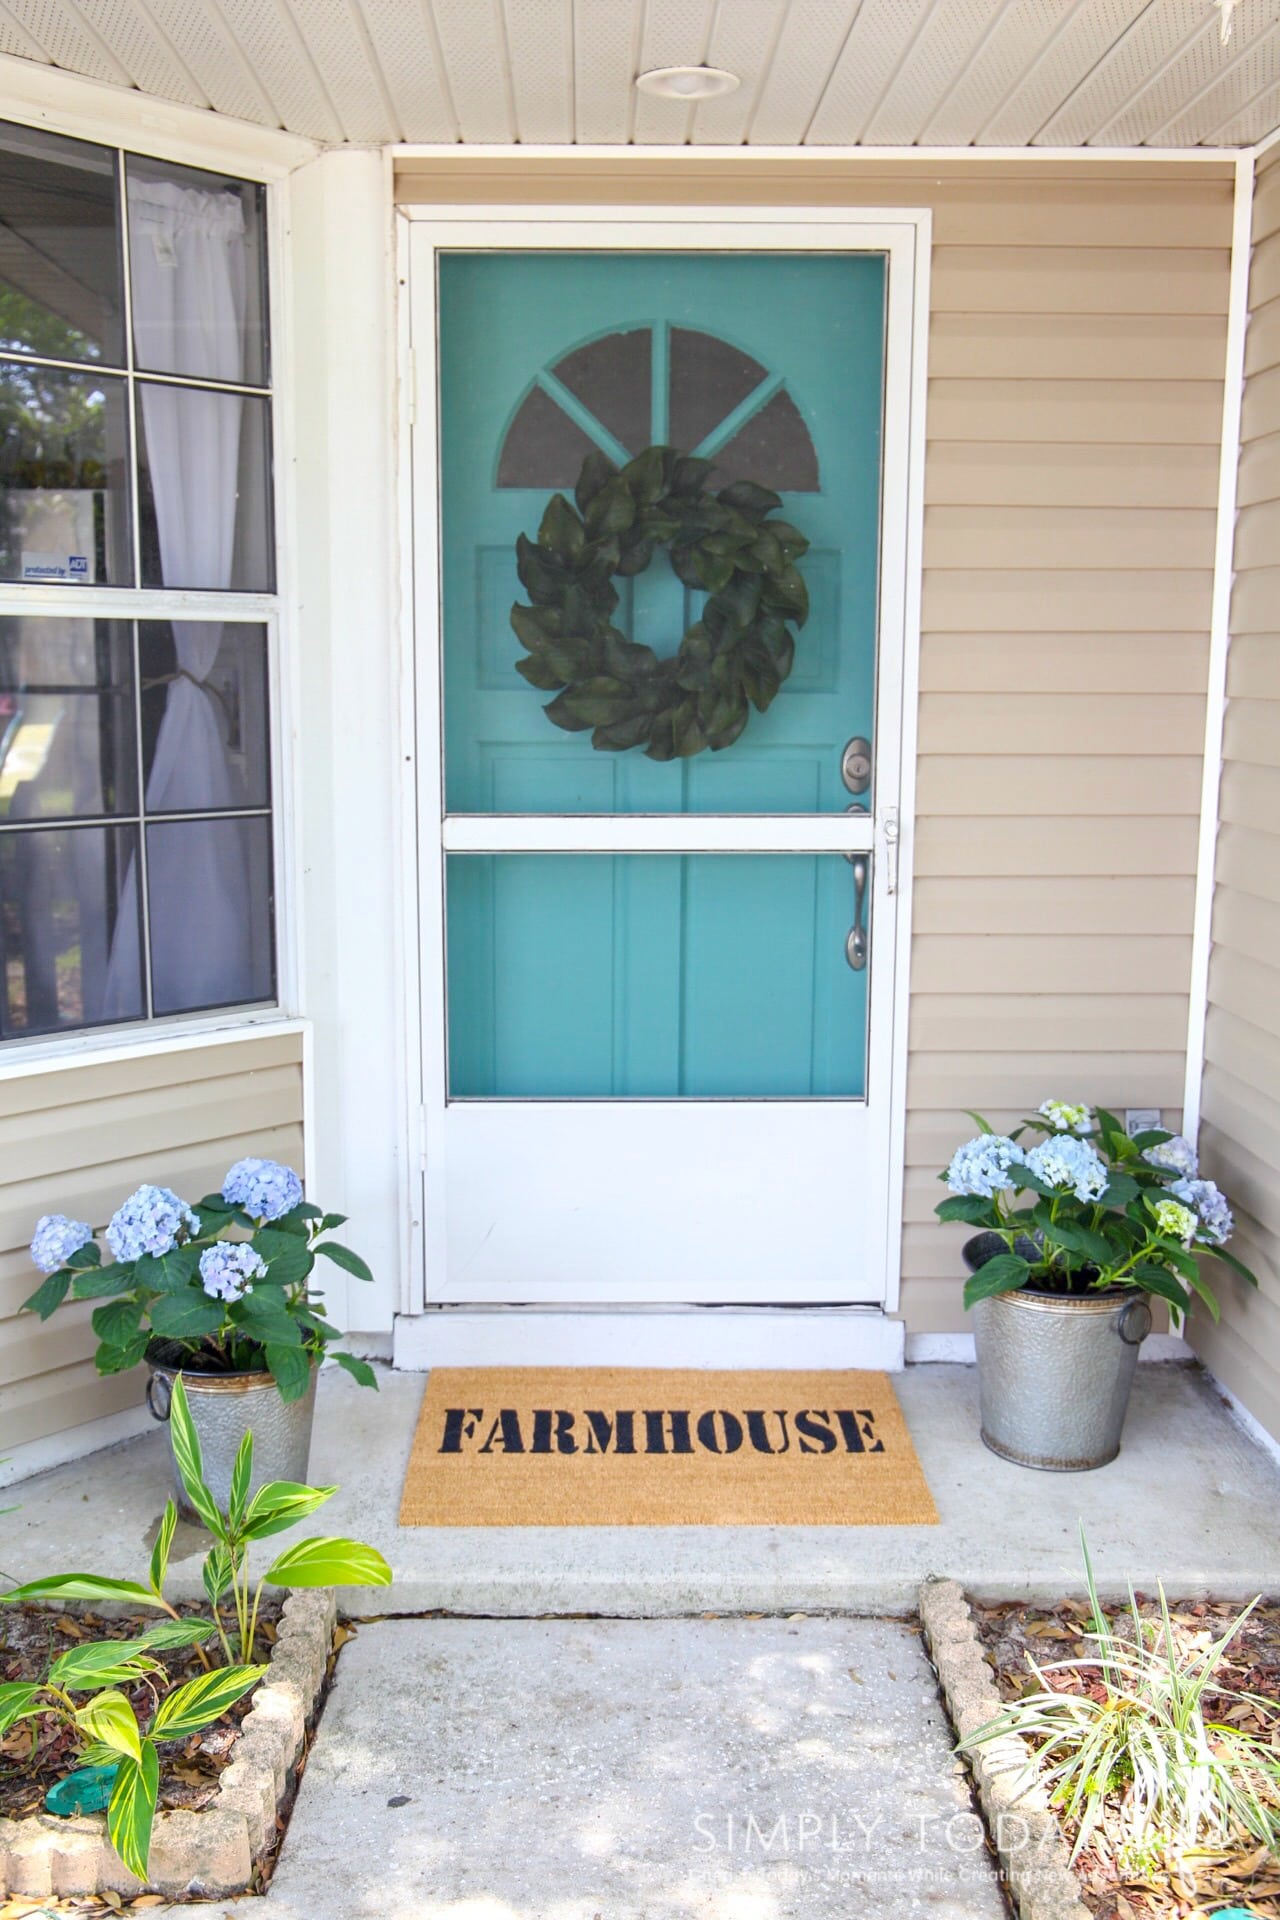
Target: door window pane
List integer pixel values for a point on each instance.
(198, 267)
(204, 464)
(662, 976)
(60, 279)
(705, 666)
(204, 715)
(209, 894)
(64, 465)
(68, 728)
(69, 929)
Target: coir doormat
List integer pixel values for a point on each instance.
(624, 1446)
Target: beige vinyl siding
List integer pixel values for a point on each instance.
(1240, 1133)
(77, 1140)
(1077, 345)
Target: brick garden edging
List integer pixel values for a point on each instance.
(1033, 1855)
(212, 1851)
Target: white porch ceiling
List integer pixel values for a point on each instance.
(815, 73)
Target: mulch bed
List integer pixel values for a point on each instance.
(1249, 1876)
(30, 1636)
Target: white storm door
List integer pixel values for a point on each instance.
(660, 791)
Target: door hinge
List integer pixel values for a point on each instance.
(889, 829)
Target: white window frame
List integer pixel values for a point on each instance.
(82, 110)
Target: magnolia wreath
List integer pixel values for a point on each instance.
(725, 544)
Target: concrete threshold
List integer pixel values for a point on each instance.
(1191, 1500)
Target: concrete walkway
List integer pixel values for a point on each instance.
(633, 1770)
(1190, 1499)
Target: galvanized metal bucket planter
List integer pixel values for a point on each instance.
(1055, 1370)
(224, 1407)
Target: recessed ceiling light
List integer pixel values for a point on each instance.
(687, 83)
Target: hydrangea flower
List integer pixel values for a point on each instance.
(153, 1221)
(1177, 1221)
(1213, 1215)
(981, 1166)
(1064, 1161)
(1064, 1118)
(55, 1239)
(264, 1188)
(1173, 1156)
(229, 1268)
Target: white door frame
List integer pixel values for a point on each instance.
(905, 236)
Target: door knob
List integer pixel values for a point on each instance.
(855, 764)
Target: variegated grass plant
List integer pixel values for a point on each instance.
(1135, 1758)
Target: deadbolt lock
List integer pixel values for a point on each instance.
(855, 764)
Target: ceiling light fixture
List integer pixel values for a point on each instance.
(687, 83)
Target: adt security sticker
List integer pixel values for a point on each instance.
(55, 566)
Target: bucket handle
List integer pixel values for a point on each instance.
(1137, 1315)
(159, 1388)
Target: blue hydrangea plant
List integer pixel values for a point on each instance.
(226, 1286)
(1086, 1207)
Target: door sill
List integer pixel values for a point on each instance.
(815, 1338)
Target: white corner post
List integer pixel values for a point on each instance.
(341, 576)
(1219, 640)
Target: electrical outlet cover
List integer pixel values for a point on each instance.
(1140, 1120)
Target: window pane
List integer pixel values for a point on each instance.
(204, 468)
(209, 890)
(60, 278)
(69, 926)
(204, 715)
(197, 262)
(659, 976)
(68, 730)
(64, 511)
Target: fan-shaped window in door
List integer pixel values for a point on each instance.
(659, 386)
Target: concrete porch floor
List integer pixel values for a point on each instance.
(1191, 1500)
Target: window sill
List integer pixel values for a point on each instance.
(21, 1058)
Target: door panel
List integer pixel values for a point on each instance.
(773, 367)
(652, 976)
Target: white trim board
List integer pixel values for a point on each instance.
(923, 1349)
(814, 1338)
(121, 116)
(815, 157)
(1219, 641)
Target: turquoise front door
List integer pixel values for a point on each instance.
(653, 473)
(657, 976)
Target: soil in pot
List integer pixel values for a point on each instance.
(181, 1358)
(1082, 1284)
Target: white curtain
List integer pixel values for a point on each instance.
(188, 284)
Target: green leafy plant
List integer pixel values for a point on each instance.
(725, 545)
(1136, 1755)
(224, 1287)
(104, 1726)
(234, 1598)
(1089, 1208)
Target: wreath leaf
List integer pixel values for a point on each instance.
(724, 545)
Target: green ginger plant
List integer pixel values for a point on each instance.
(321, 1561)
(104, 1724)
(1143, 1762)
